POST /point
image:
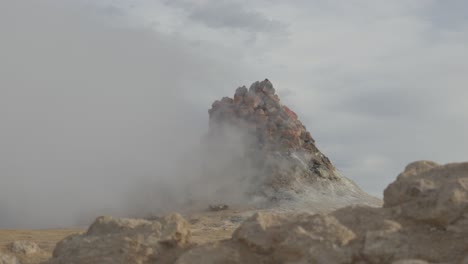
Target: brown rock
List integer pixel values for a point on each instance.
(381, 246)
(215, 253)
(417, 167)
(7, 259)
(252, 100)
(290, 113)
(298, 237)
(430, 193)
(122, 240)
(24, 247)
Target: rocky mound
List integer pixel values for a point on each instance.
(126, 241)
(430, 193)
(424, 220)
(24, 247)
(279, 160)
(7, 259)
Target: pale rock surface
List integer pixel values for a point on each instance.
(126, 241)
(7, 259)
(218, 253)
(24, 247)
(430, 193)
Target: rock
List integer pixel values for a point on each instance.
(279, 238)
(410, 261)
(381, 246)
(315, 238)
(122, 240)
(417, 167)
(279, 150)
(218, 207)
(430, 193)
(175, 230)
(260, 232)
(361, 219)
(215, 253)
(285, 238)
(7, 259)
(24, 247)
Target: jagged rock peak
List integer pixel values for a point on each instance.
(275, 126)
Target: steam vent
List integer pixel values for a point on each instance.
(289, 168)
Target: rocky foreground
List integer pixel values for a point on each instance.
(424, 219)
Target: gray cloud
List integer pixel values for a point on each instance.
(387, 103)
(448, 15)
(229, 15)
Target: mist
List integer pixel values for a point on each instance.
(94, 116)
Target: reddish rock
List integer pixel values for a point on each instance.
(238, 99)
(227, 100)
(290, 113)
(216, 104)
(258, 108)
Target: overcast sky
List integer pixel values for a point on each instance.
(93, 93)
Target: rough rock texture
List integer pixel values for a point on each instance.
(24, 247)
(278, 148)
(275, 126)
(7, 259)
(125, 241)
(360, 234)
(430, 193)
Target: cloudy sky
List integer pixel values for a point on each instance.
(94, 93)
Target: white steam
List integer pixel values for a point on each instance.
(90, 114)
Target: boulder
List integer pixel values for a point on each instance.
(7, 259)
(430, 193)
(24, 247)
(279, 238)
(122, 240)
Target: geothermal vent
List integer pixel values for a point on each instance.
(277, 158)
